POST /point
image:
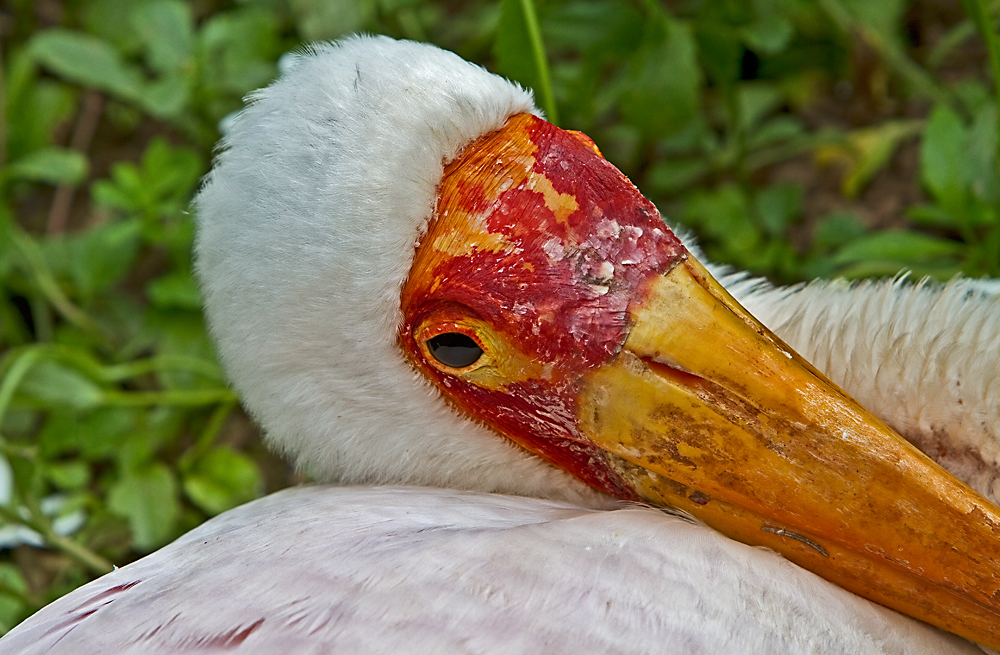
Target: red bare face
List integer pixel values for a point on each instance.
(537, 248)
(549, 301)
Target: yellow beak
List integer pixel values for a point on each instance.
(707, 411)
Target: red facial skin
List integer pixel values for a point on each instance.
(537, 248)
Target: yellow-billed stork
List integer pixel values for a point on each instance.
(487, 338)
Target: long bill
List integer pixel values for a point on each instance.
(706, 410)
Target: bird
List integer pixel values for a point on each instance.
(541, 423)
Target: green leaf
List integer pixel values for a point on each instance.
(723, 217)
(931, 216)
(109, 21)
(94, 434)
(55, 384)
(943, 160)
(905, 248)
(984, 144)
(777, 206)
(237, 51)
(882, 16)
(35, 106)
(836, 229)
(147, 498)
(68, 475)
(175, 290)
(720, 51)
(768, 35)
(168, 96)
(661, 89)
(87, 60)
(96, 258)
(167, 30)
(512, 46)
(223, 479)
(520, 52)
(775, 130)
(757, 100)
(53, 165)
(671, 175)
(12, 608)
(327, 19)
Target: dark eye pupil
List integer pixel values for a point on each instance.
(454, 349)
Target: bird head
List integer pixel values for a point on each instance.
(413, 278)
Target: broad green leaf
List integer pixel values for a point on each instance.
(68, 475)
(53, 165)
(95, 434)
(174, 290)
(943, 161)
(883, 17)
(87, 60)
(720, 51)
(723, 215)
(512, 46)
(661, 90)
(223, 479)
(96, 258)
(777, 206)
(973, 94)
(170, 171)
(147, 498)
(238, 50)
(522, 57)
(327, 19)
(897, 246)
(836, 229)
(35, 106)
(939, 271)
(865, 152)
(756, 100)
(768, 35)
(57, 385)
(12, 608)
(586, 24)
(931, 216)
(671, 175)
(775, 130)
(179, 332)
(168, 96)
(984, 144)
(109, 21)
(167, 30)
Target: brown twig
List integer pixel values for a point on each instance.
(83, 135)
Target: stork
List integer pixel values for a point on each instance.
(542, 416)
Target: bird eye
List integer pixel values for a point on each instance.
(454, 349)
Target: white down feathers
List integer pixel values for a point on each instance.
(306, 230)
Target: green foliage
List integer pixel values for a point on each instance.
(116, 427)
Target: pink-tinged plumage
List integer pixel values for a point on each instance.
(419, 570)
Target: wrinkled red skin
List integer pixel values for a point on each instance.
(553, 281)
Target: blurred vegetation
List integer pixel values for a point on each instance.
(796, 138)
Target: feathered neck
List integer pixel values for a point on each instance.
(306, 230)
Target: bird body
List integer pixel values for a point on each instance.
(329, 326)
(421, 570)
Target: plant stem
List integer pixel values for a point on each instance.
(172, 398)
(987, 31)
(541, 62)
(15, 374)
(208, 435)
(897, 60)
(39, 524)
